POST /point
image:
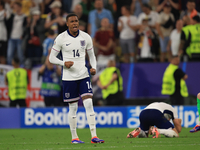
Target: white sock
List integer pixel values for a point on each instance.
(168, 132)
(72, 119)
(90, 115)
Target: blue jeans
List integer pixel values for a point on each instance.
(12, 45)
(163, 43)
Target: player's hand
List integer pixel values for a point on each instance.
(93, 71)
(68, 64)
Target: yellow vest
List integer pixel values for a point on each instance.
(168, 86)
(192, 32)
(17, 83)
(105, 78)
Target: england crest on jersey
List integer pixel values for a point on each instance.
(67, 95)
(82, 43)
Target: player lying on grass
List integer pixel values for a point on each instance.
(159, 115)
(197, 127)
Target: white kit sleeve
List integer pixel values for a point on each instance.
(92, 58)
(54, 52)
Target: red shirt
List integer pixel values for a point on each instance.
(102, 37)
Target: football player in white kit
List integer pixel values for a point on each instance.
(74, 44)
(157, 114)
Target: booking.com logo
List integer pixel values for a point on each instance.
(60, 118)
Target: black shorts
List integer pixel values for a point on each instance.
(153, 117)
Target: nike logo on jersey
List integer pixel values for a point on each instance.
(68, 44)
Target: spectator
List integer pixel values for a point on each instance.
(17, 81)
(111, 83)
(154, 4)
(56, 19)
(104, 42)
(47, 44)
(136, 6)
(36, 36)
(73, 4)
(148, 43)
(87, 5)
(16, 24)
(174, 5)
(164, 28)
(175, 39)
(95, 16)
(67, 5)
(26, 6)
(3, 35)
(37, 5)
(127, 27)
(174, 82)
(151, 15)
(188, 14)
(78, 10)
(45, 5)
(190, 41)
(50, 88)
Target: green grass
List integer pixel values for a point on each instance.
(115, 138)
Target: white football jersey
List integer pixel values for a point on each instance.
(74, 49)
(164, 108)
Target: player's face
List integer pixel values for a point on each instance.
(73, 24)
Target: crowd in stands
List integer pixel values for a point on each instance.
(127, 31)
(124, 31)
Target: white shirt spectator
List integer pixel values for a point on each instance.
(127, 32)
(175, 41)
(153, 16)
(17, 29)
(146, 49)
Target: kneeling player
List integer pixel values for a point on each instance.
(157, 114)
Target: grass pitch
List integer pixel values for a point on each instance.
(115, 138)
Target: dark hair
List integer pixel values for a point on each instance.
(50, 32)
(196, 18)
(70, 15)
(146, 5)
(19, 4)
(191, 1)
(2, 3)
(16, 60)
(127, 7)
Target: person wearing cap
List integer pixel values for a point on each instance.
(190, 41)
(56, 18)
(164, 27)
(174, 83)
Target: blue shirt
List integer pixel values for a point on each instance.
(92, 19)
(47, 44)
(138, 8)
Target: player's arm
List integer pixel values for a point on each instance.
(55, 51)
(177, 124)
(91, 56)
